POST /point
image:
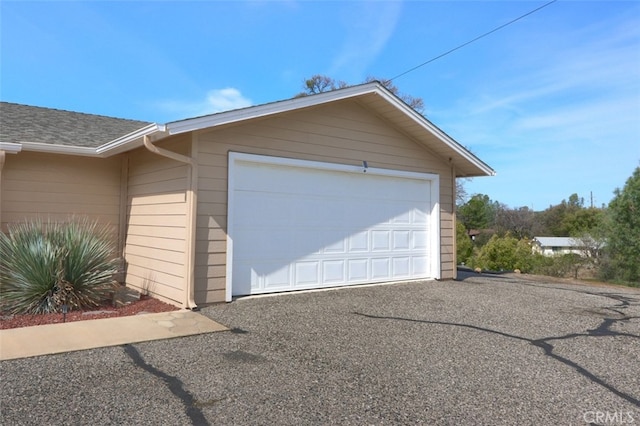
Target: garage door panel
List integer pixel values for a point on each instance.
(401, 240)
(337, 243)
(419, 265)
(297, 227)
(420, 240)
(380, 240)
(401, 267)
(380, 269)
(307, 273)
(359, 242)
(419, 217)
(334, 272)
(278, 279)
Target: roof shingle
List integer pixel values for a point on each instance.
(24, 123)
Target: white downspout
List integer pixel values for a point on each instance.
(192, 213)
(11, 148)
(2, 157)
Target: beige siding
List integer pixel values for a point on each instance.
(342, 132)
(156, 222)
(57, 187)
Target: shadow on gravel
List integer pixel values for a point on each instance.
(173, 383)
(604, 329)
(465, 273)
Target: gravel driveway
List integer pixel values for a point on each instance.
(483, 350)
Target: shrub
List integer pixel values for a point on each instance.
(557, 266)
(464, 245)
(44, 266)
(505, 253)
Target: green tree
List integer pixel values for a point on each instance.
(623, 244)
(570, 218)
(583, 221)
(478, 212)
(464, 245)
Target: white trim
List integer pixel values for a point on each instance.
(128, 141)
(435, 224)
(199, 123)
(308, 164)
(10, 148)
(122, 144)
(236, 157)
(442, 136)
(231, 172)
(134, 139)
(218, 119)
(59, 149)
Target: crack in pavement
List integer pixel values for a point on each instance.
(603, 330)
(174, 384)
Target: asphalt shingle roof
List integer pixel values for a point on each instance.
(23, 123)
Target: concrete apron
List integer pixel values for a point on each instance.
(79, 335)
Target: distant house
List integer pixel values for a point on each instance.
(550, 246)
(473, 233)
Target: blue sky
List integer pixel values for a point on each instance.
(551, 102)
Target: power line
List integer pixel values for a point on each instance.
(474, 40)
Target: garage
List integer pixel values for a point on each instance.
(296, 224)
(343, 187)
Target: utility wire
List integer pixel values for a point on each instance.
(475, 39)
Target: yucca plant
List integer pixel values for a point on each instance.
(44, 266)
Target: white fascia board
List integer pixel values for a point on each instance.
(59, 149)
(213, 120)
(446, 139)
(241, 157)
(129, 141)
(10, 148)
(124, 143)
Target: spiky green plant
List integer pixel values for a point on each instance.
(46, 265)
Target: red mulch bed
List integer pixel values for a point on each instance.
(146, 304)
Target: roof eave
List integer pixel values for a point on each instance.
(457, 148)
(122, 144)
(229, 117)
(10, 147)
(479, 168)
(130, 141)
(58, 149)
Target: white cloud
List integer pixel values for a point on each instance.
(216, 100)
(226, 99)
(562, 120)
(369, 26)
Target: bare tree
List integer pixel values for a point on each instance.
(461, 191)
(415, 103)
(518, 221)
(321, 83)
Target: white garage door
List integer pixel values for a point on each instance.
(299, 225)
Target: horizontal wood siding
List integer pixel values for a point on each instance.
(58, 187)
(156, 222)
(343, 132)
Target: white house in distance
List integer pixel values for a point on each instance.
(550, 246)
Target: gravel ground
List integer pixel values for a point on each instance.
(494, 350)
